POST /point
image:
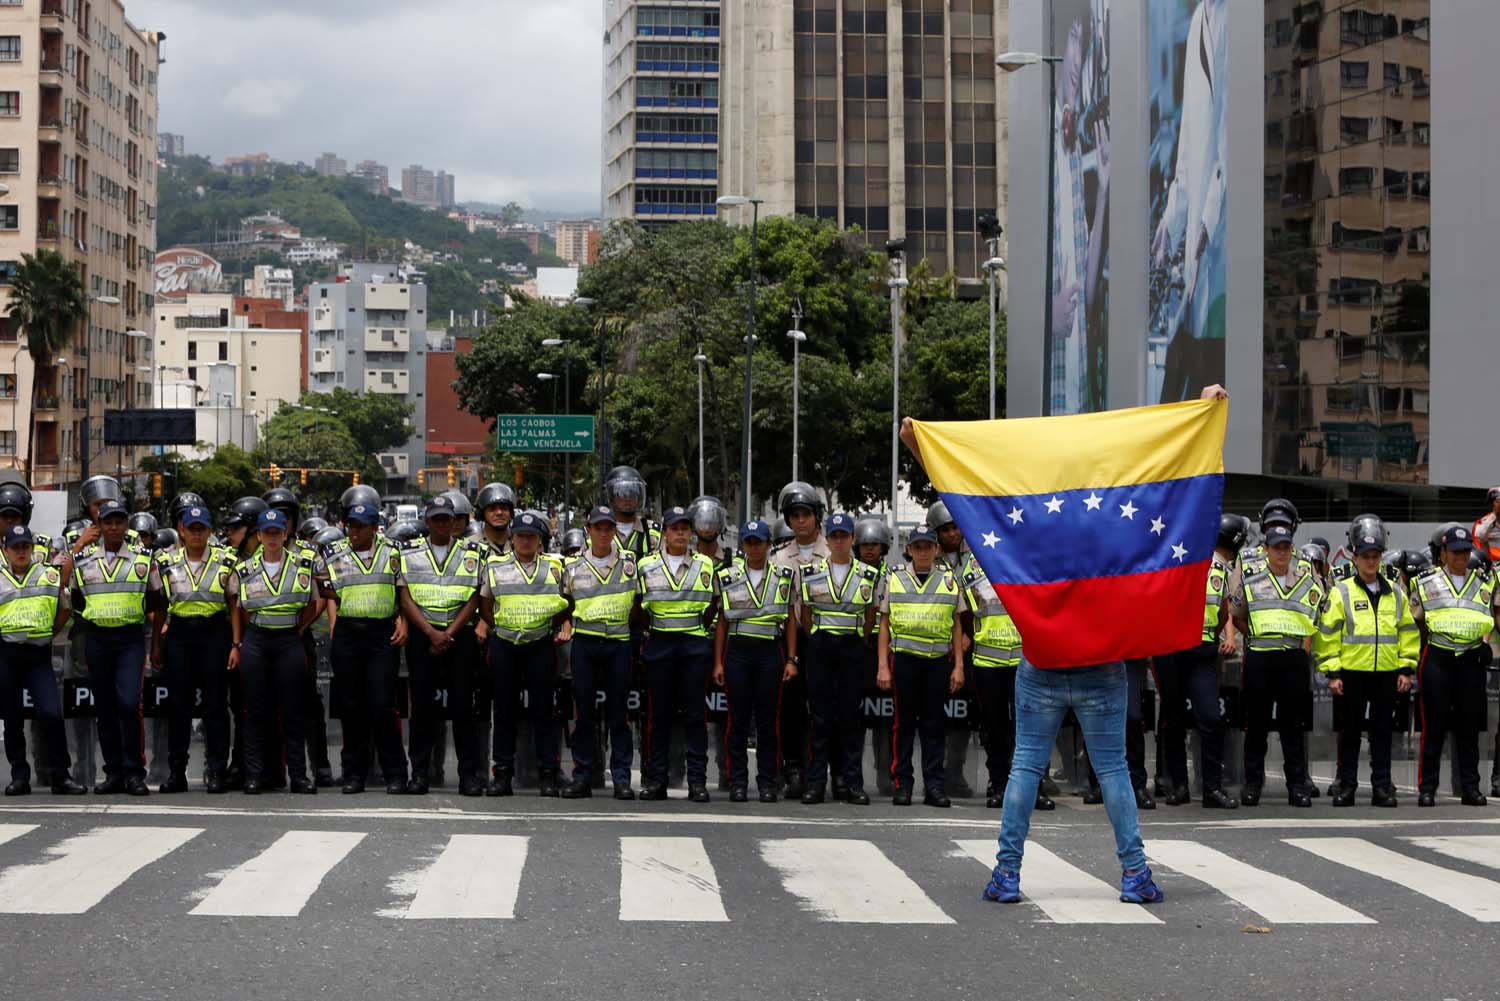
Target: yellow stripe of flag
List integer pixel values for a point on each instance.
(1034, 455)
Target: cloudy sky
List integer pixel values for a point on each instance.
(505, 94)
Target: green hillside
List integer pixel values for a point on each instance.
(196, 203)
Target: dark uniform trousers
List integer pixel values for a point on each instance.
(364, 667)
(1279, 677)
(921, 690)
(117, 668)
(881, 736)
(794, 717)
(752, 680)
(1191, 675)
(271, 668)
(601, 664)
(1135, 725)
(28, 666)
(453, 671)
(835, 669)
(1453, 701)
(996, 687)
(1371, 696)
(676, 668)
(533, 665)
(197, 659)
(315, 717)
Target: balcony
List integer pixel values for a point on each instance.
(47, 404)
(49, 186)
(322, 362)
(53, 15)
(391, 340)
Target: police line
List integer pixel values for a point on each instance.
(961, 712)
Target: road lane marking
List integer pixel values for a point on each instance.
(9, 832)
(1064, 892)
(1277, 899)
(668, 879)
(849, 880)
(476, 876)
(1475, 896)
(280, 880)
(84, 869)
(1481, 849)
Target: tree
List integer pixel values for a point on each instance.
(220, 479)
(306, 439)
(47, 303)
(376, 422)
(511, 214)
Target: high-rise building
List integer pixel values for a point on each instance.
(375, 175)
(888, 115)
(78, 107)
(367, 333)
(661, 109)
(417, 185)
(444, 190)
(331, 165)
(1282, 203)
(170, 144)
(575, 239)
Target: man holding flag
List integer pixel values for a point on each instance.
(1080, 522)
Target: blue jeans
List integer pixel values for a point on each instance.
(1096, 694)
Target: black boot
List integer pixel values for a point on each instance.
(500, 784)
(176, 782)
(1179, 795)
(65, 786)
(547, 783)
(795, 786)
(578, 789)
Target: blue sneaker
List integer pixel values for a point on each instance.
(1138, 888)
(1004, 887)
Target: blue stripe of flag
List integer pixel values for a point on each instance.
(1096, 532)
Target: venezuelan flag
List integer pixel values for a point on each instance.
(1096, 530)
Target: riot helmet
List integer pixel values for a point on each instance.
(872, 528)
(938, 516)
(310, 527)
(245, 512)
(164, 538)
(1365, 526)
(283, 500)
(1279, 509)
(144, 524)
(462, 509)
(625, 490)
(99, 488)
(573, 542)
(780, 532)
(1435, 541)
(182, 502)
(16, 497)
(1234, 529)
(799, 493)
(708, 517)
(403, 531)
(1415, 562)
(495, 493)
(359, 493)
(328, 537)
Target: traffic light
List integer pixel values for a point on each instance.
(519, 478)
(356, 479)
(303, 476)
(275, 474)
(452, 476)
(156, 485)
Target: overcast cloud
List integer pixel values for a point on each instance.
(505, 94)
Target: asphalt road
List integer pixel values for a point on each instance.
(374, 897)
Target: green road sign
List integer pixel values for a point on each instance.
(544, 433)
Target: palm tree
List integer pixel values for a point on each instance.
(47, 303)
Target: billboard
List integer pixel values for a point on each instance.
(1187, 80)
(182, 270)
(1076, 349)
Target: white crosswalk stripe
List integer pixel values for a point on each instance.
(850, 880)
(1274, 897)
(9, 832)
(1481, 849)
(1064, 892)
(279, 881)
(668, 879)
(476, 876)
(1475, 896)
(85, 869)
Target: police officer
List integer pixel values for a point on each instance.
(15, 509)
(1455, 608)
(315, 718)
(93, 493)
(625, 493)
(439, 594)
(34, 608)
(1367, 643)
(678, 591)
(920, 634)
(111, 581)
(309, 528)
(955, 552)
(709, 522)
(574, 542)
(755, 652)
(359, 577)
(190, 641)
(1274, 600)
(838, 599)
(463, 511)
(143, 524)
(996, 654)
(521, 600)
(1193, 675)
(1390, 563)
(801, 508)
(600, 585)
(872, 544)
(272, 597)
(497, 507)
(1486, 535)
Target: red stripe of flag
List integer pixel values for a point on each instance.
(1092, 620)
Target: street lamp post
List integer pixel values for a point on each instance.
(88, 377)
(557, 342)
(551, 377)
(992, 267)
(797, 337)
(701, 359)
(1010, 62)
(605, 446)
(896, 249)
(731, 201)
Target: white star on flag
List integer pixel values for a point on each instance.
(1092, 501)
(990, 538)
(1016, 516)
(1157, 525)
(1054, 505)
(1179, 551)
(1128, 510)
